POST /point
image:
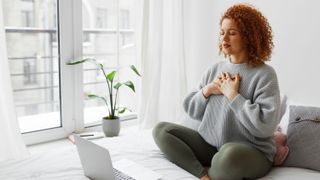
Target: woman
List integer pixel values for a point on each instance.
(237, 102)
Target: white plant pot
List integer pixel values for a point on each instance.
(111, 127)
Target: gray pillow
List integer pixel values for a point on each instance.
(304, 137)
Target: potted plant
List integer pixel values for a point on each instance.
(111, 122)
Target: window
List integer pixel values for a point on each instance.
(125, 21)
(109, 47)
(27, 13)
(86, 37)
(31, 108)
(41, 36)
(34, 63)
(29, 72)
(101, 18)
(27, 18)
(125, 25)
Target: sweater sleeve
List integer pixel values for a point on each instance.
(260, 116)
(195, 103)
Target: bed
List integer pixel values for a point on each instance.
(132, 144)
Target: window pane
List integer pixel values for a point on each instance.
(108, 36)
(31, 36)
(127, 52)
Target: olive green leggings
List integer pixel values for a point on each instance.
(187, 149)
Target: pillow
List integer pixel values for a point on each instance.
(283, 105)
(284, 122)
(304, 137)
(284, 114)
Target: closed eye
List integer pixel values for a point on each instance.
(229, 32)
(233, 32)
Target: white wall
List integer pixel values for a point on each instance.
(296, 28)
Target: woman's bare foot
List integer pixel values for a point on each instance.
(206, 177)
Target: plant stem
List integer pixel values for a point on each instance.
(111, 100)
(115, 100)
(107, 105)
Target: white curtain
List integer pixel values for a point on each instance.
(163, 83)
(12, 146)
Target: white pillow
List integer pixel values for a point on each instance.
(285, 121)
(284, 113)
(283, 105)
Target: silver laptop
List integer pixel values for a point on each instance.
(96, 161)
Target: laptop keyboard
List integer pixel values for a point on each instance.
(120, 175)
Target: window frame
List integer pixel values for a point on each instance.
(71, 94)
(70, 45)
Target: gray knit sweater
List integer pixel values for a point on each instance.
(250, 118)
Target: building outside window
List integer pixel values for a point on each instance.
(34, 61)
(125, 19)
(27, 13)
(107, 37)
(29, 71)
(101, 18)
(27, 18)
(38, 48)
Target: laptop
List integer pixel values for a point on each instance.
(97, 164)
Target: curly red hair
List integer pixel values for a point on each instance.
(255, 31)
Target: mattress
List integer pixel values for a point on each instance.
(64, 163)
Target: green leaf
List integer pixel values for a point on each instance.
(111, 75)
(135, 70)
(101, 65)
(121, 110)
(130, 85)
(81, 61)
(93, 96)
(117, 85)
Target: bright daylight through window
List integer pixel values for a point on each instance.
(108, 26)
(32, 48)
(37, 63)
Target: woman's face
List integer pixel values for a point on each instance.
(230, 38)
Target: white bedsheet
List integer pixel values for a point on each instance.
(64, 163)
